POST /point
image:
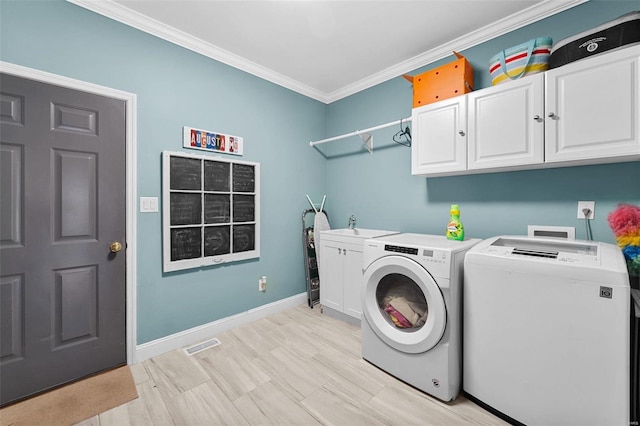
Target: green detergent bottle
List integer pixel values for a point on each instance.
(455, 230)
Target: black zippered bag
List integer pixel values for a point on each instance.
(620, 32)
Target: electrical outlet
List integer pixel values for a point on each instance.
(591, 205)
(262, 283)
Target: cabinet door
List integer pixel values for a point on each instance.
(506, 124)
(439, 137)
(353, 281)
(593, 108)
(331, 278)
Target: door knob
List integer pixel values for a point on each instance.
(461, 132)
(115, 247)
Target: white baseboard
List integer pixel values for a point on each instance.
(206, 331)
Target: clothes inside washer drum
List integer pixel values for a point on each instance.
(320, 223)
(397, 318)
(406, 298)
(406, 309)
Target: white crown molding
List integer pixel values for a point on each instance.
(156, 28)
(533, 14)
(136, 20)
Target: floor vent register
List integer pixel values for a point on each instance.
(202, 346)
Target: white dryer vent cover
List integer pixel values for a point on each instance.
(563, 232)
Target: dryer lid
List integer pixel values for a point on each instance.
(582, 252)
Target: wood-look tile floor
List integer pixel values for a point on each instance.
(298, 367)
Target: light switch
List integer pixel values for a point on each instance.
(148, 204)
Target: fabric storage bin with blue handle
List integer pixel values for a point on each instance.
(527, 58)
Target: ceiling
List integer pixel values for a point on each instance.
(327, 50)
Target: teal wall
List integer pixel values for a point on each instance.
(381, 192)
(176, 87)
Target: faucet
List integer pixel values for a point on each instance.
(352, 222)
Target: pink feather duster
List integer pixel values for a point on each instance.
(625, 223)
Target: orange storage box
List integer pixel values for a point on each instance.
(444, 82)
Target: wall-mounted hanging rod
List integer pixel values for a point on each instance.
(368, 140)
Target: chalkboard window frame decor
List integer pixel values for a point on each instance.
(207, 212)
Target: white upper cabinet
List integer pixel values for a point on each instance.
(593, 109)
(441, 144)
(585, 112)
(506, 124)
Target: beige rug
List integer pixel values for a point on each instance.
(75, 402)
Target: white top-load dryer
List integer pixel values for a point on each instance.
(546, 330)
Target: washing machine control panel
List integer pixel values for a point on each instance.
(426, 255)
(400, 249)
(434, 256)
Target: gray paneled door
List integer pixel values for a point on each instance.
(62, 288)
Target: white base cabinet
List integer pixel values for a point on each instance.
(585, 112)
(341, 277)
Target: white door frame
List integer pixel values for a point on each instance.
(131, 190)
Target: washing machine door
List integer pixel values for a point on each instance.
(403, 304)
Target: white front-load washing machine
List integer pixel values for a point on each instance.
(411, 306)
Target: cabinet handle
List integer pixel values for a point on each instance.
(537, 117)
(461, 132)
(339, 251)
(552, 115)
